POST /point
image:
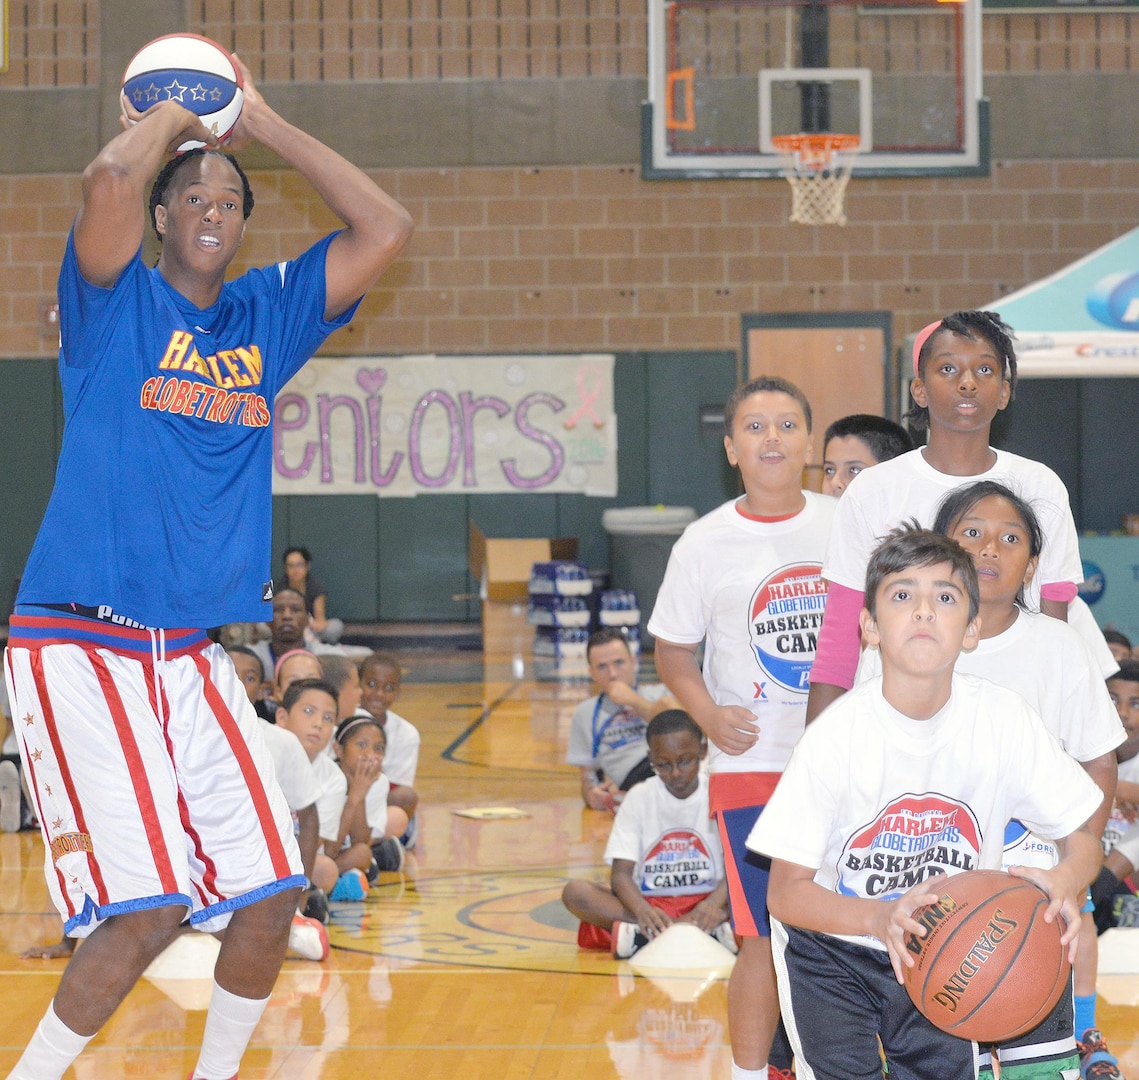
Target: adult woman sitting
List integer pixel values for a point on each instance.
(298, 564)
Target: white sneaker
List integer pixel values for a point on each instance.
(308, 938)
(627, 939)
(9, 797)
(726, 937)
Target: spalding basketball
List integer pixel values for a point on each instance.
(989, 966)
(192, 70)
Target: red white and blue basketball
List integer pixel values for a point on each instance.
(192, 70)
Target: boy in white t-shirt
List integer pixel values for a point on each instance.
(666, 861)
(895, 755)
(308, 711)
(607, 732)
(745, 581)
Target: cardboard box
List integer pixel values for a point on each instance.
(501, 566)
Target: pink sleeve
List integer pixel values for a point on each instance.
(836, 656)
(1062, 592)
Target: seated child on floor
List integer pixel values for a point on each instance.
(309, 712)
(344, 675)
(657, 818)
(380, 676)
(293, 665)
(359, 748)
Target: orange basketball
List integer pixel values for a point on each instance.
(989, 966)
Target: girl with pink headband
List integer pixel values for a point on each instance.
(964, 374)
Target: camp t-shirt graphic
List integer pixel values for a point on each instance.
(785, 614)
(678, 864)
(911, 840)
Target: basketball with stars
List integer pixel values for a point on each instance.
(192, 70)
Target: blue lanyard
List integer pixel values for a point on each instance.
(598, 733)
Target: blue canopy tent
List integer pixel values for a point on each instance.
(1083, 320)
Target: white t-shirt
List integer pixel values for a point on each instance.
(401, 756)
(292, 766)
(376, 806)
(1081, 619)
(675, 845)
(1048, 664)
(333, 787)
(881, 498)
(753, 593)
(1120, 831)
(608, 736)
(878, 802)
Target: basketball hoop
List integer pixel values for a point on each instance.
(817, 165)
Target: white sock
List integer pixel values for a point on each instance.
(739, 1073)
(53, 1047)
(229, 1027)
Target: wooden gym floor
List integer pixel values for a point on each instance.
(463, 966)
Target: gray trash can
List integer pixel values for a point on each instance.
(640, 542)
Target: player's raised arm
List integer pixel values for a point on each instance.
(110, 224)
(377, 227)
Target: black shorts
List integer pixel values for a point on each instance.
(840, 999)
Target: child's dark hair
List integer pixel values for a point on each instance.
(974, 325)
(336, 669)
(165, 177)
(301, 685)
(883, 437)
(764, 384)
(381, 659)
(911, 546)
(605, 636)
(1128, 671)
(671, 721)
(961, 500)
(1116, 637)
(346, 727)
(245, 650)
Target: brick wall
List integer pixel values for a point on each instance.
(596, 258)
(56, 42)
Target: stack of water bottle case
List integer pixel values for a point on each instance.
(564, 609)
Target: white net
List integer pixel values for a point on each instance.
(818, 169)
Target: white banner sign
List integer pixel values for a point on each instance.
(416, 425)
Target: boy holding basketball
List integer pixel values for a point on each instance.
(745, 581)
(909, 776)
(158, 793)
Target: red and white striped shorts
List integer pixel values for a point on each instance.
(150, 776)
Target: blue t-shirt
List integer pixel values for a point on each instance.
(162, 503)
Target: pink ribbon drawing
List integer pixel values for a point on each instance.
(589, 396)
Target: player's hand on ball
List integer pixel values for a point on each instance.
(731, 727)
(1066, 898)
(896, 922)
(242, 134)
(192, 129)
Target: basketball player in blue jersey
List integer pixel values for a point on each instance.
(150, 777)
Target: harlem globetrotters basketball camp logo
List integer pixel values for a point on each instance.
(678, 864)
(786, 613)
(911, 840)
